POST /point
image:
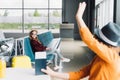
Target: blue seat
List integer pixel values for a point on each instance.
(46, 38)
(28, 51)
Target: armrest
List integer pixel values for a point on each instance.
(54, 44)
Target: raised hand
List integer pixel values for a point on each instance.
(81, 9)
(79, 15)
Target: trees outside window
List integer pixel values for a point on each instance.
(24, 15)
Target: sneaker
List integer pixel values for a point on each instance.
(65, 60)
(57, 67)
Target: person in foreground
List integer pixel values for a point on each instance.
(106, 46)
(38, 46)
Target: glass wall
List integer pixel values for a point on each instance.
(24, 15)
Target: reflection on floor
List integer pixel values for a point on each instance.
(79, 54)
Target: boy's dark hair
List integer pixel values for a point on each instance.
(100, 40)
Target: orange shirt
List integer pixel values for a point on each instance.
(106, 63)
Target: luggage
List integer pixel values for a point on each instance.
(2, 67)
(21, 62)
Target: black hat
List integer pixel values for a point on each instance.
(110, 33)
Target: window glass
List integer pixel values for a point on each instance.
(55, 3)
(36, 3)
(10, 3)
(104, 12)
(36, 19)
(55, 20)
(10, 20)
(24, 15)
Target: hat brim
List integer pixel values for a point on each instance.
(96, 32)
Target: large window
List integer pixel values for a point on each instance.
(103, 12)
(24, 15)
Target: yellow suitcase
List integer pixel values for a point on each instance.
(21, 62)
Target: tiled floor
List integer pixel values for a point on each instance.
(79, 54)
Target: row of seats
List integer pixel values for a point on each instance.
(23, 46)
(47, 39)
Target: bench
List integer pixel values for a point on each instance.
(47, 39)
